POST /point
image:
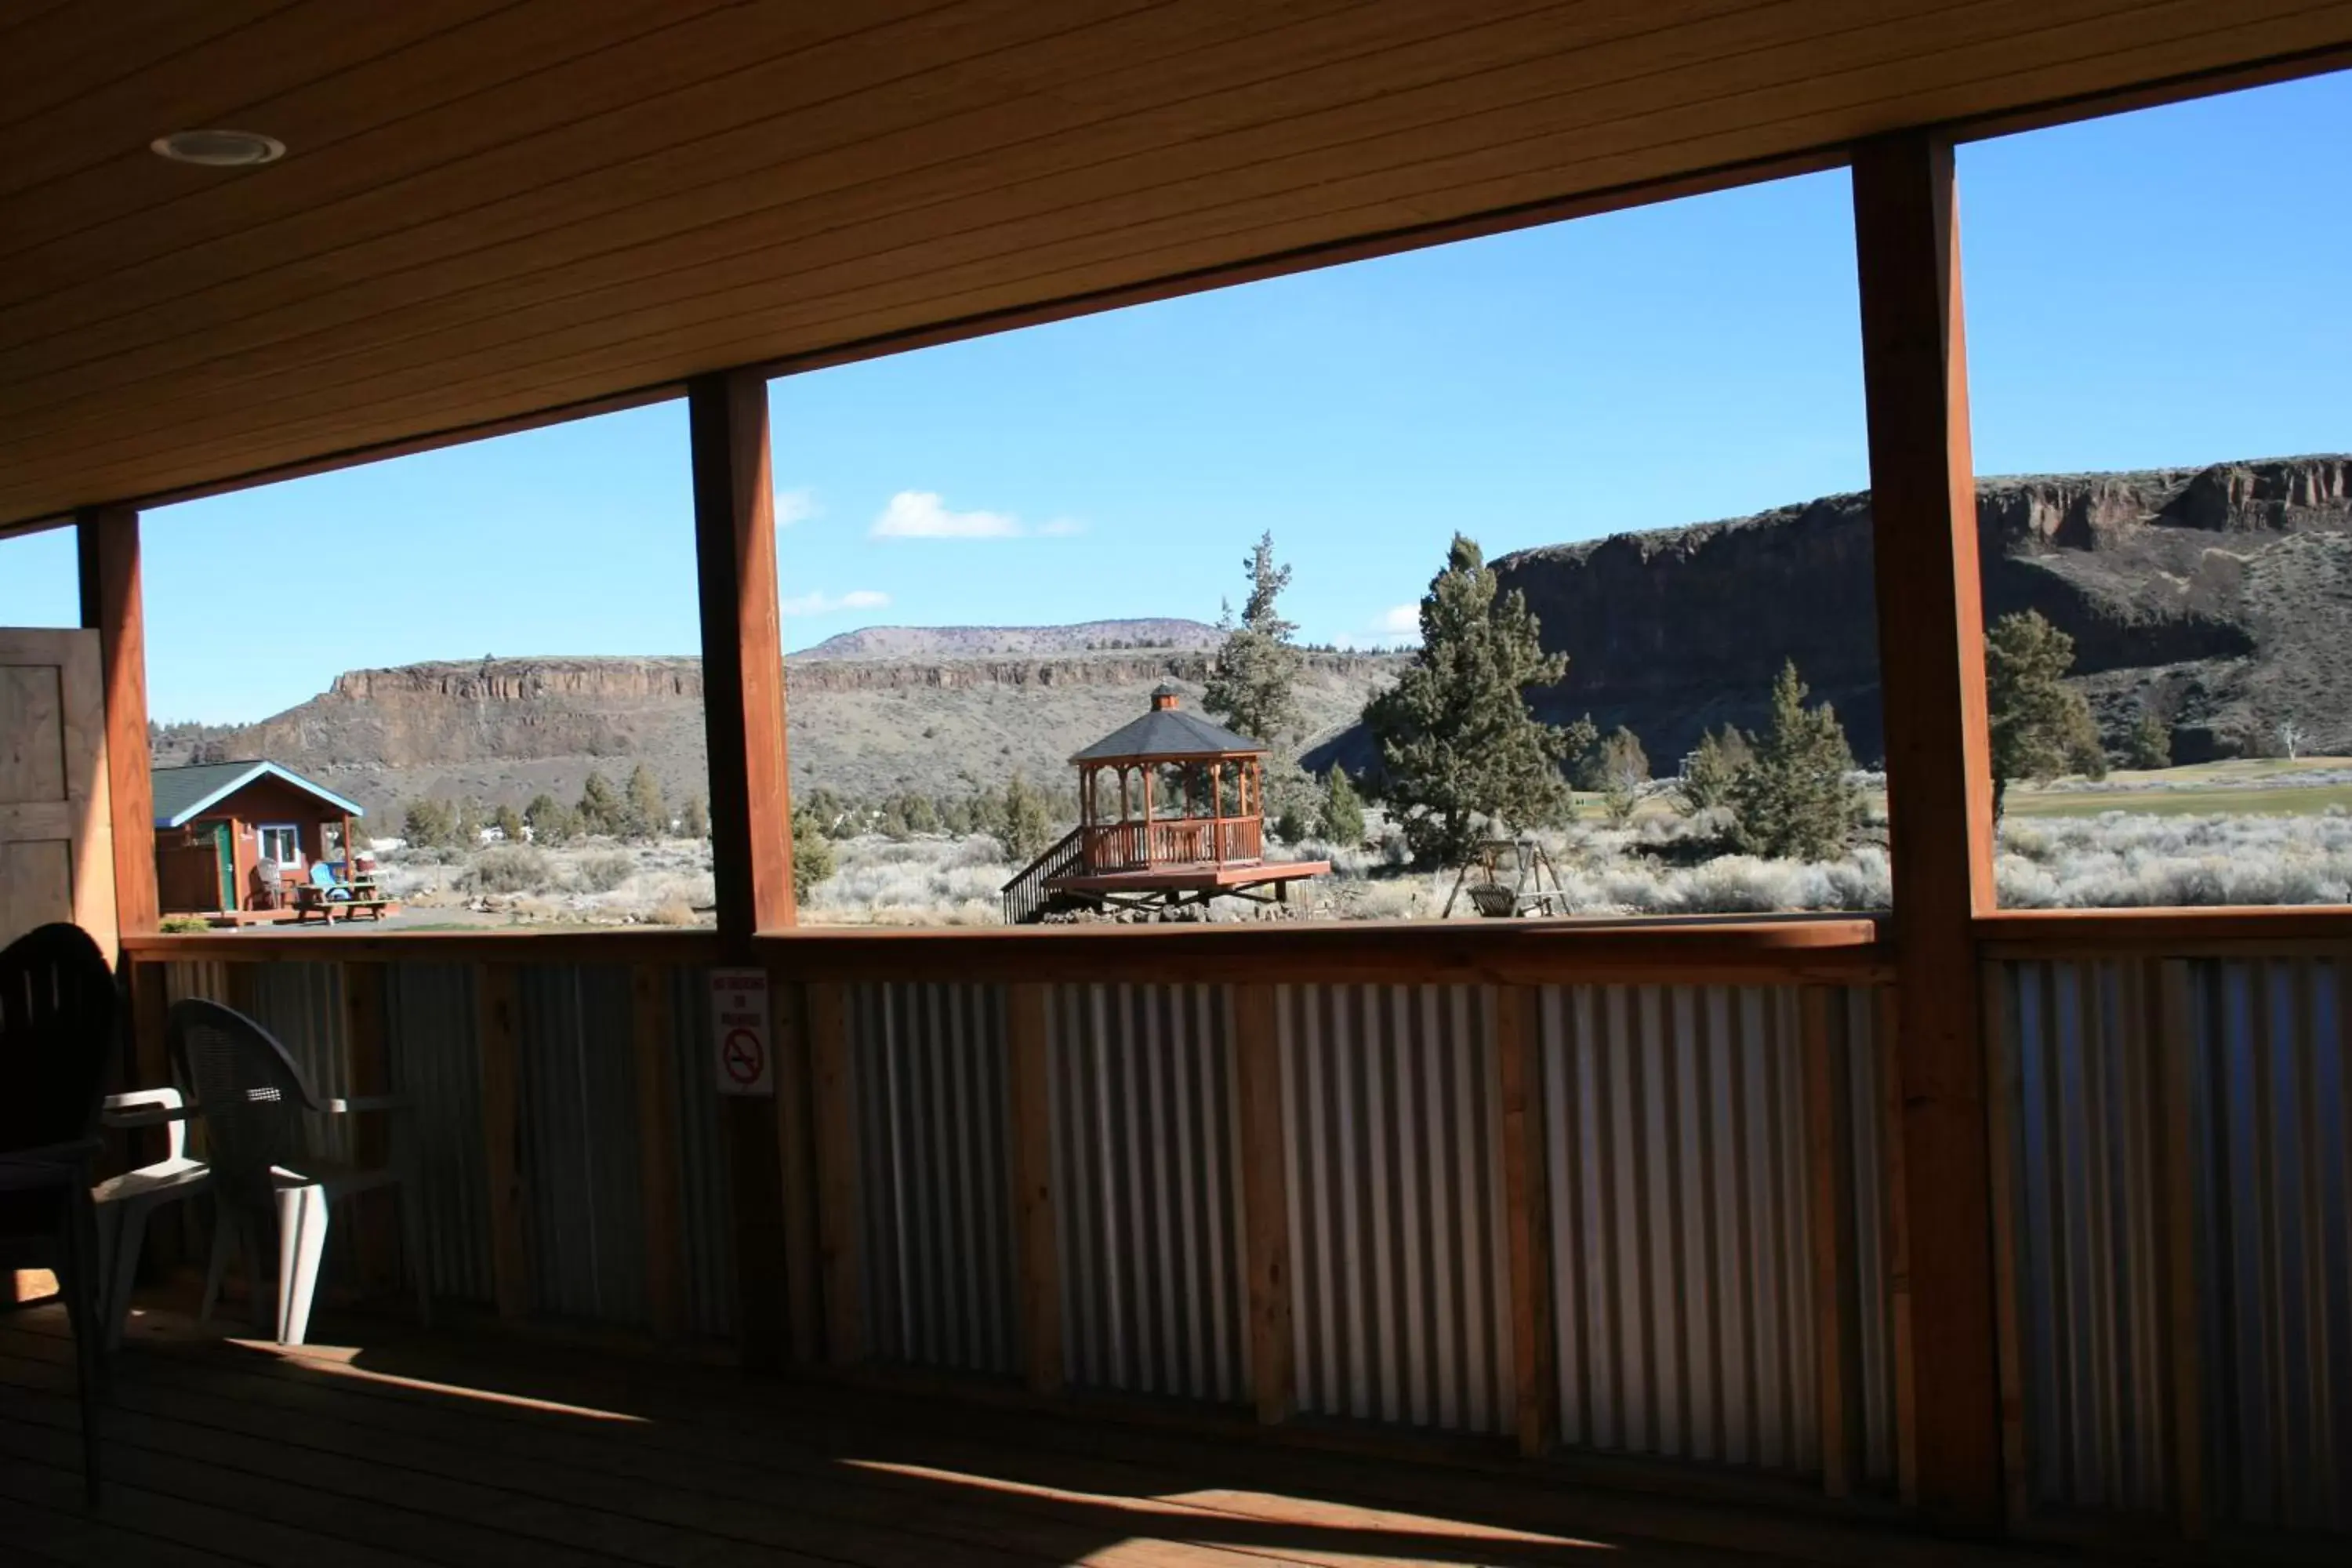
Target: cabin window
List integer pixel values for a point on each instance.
(281, 843)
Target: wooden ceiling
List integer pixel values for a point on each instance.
(492, 208)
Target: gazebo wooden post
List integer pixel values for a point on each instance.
(1217, 811)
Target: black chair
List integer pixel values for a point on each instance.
(60, 1014)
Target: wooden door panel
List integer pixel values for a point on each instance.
(57, 858)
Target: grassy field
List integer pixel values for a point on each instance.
(2255, 787)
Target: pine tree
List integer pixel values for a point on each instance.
(648, 813)
(1793, 795)
(1343, 810)
(509, 821)
(812, 853)
(921, 816)
(1254, 688)
(2040, 727)
(599, 809)
(2149, 745)
(1713, 769)
(693, 819)
(1025, 829)
(551, 821)
(466, 827)
(1459, 748)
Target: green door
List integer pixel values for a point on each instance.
(225, 854)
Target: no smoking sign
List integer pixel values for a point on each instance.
(746, 1057)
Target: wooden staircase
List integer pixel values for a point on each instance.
(1027, 900)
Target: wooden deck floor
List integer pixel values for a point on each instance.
(469, 1449)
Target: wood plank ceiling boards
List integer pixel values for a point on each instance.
(492, 208)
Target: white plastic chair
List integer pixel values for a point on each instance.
(124, 1202)
(252, 1097)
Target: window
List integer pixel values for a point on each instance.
(2165, 501)
(496, 666)
(996, 553)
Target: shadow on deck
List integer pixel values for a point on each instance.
(469, 1447)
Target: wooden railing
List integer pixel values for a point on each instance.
(1027, 896)
(1116, 847)
(1595, 1062)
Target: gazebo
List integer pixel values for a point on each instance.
(1171, 811)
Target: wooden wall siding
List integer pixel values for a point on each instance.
(430, 1032)
(929, 1072)
(706, 1208)
(453, 240)
(2181, 1260)
(1147, 1191)
(1391, 1107)
(582, 1198)
(1685, 1304)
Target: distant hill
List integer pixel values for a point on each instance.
(971, 642)
(2220, 598)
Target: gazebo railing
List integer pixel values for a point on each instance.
(1114, 847)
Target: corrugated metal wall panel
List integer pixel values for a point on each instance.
(2089, 1263)
(1682, 1224)
(430, 1037)
(302, 1005)
(1867, 1076)
(935, 1184)
(2274, 1131)
(1392, 1108)
(706, 1199)
(1147, 1194)
(586, 1210)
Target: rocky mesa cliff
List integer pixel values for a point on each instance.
(2219, 597)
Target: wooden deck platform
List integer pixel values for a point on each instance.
(477, 1448)
(1205, 874)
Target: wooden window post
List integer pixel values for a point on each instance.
(1931, 669)
(742, 652)
(751, 809)
(111, 601)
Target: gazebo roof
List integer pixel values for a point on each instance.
(1168, 732)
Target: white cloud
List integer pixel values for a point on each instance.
(796, 506)
(921, 514)
(803, 604)
(1403, 619)
(1061, 528)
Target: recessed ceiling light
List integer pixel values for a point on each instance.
(219, 149)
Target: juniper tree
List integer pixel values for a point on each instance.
(1343, 809)
(812, 853)
(1794, 797)
(647, 814)
(2149, 745)
(1459, 748)
(509, 821)
(599, 809)
(1713, 771)
(2040, 727)
(1024, 828)
(1254, 688)
(428, 824)
(694, 818)
(551, 821)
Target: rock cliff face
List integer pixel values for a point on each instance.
(502, 728)
(2219, 596)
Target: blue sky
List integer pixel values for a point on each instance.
(2167, 288)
